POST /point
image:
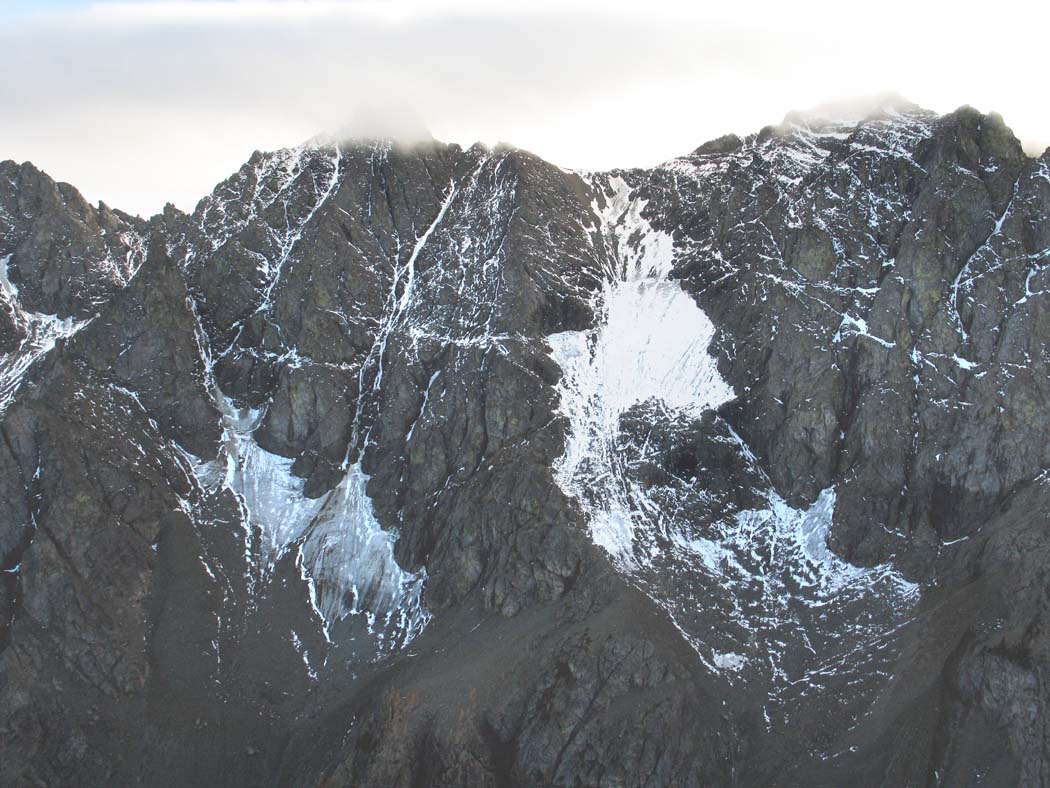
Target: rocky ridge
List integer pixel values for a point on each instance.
(415, 465)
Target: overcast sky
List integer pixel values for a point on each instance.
(140, 103)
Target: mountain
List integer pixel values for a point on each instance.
(410, 465)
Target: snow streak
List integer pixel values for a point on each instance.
(342, 552)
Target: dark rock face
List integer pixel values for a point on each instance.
(430, 466)
(65, 256)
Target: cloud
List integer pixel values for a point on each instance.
(139, 102)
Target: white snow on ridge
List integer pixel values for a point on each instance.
(274, 176)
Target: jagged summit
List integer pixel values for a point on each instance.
(416, 465)
(854, 110)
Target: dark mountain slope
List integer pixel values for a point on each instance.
(423, 466)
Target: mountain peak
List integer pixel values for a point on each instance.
(854, 110)
(397, 463)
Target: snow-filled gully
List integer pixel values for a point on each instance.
(344, 554)
(41, 334)
(650, 344)
(780, 583)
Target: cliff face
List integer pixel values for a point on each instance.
(429, 466)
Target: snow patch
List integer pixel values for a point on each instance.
(858, 327)
(344, 554)
(729, 661)
(777, 583)
(650, 343)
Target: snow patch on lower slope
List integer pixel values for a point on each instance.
(791, 600)
(344, 554)
(767, 574)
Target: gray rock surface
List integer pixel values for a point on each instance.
(412, 465)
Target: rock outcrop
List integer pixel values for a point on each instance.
(416, 465)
